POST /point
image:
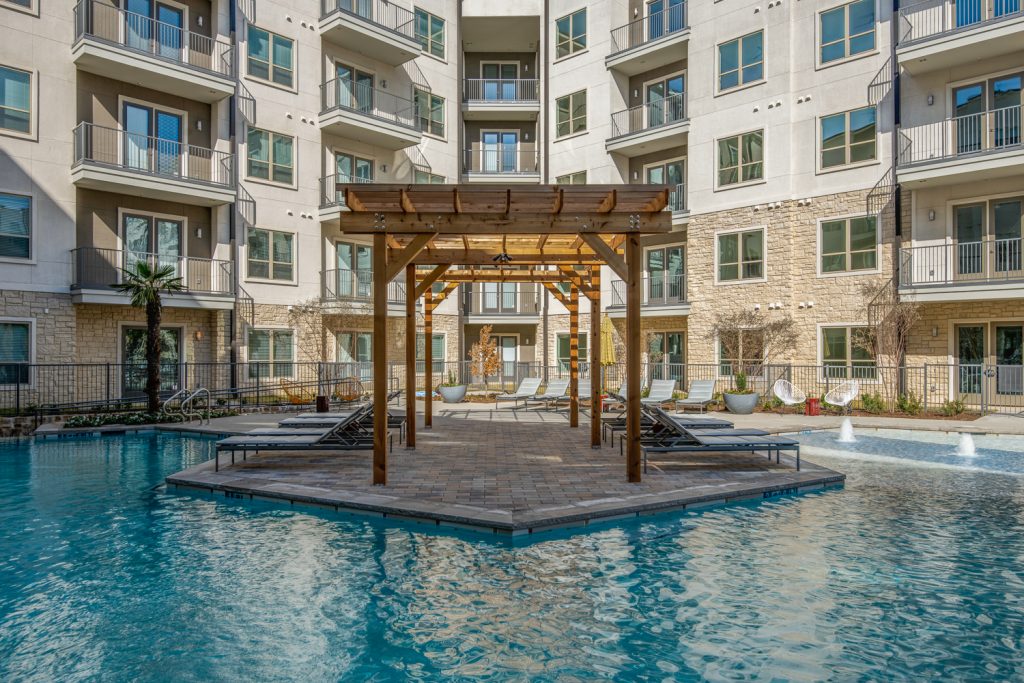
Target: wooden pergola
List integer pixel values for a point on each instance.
(545, 234)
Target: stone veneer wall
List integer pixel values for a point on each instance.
(99, 338)
(667, 323)
(53, 317)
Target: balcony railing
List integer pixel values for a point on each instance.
(677, 199)
(962, 136)
(378, 12)
(343, 94)
(343, 284)
(650, 28)
(329, 193)
(96, 268)
(649, 115)
(515, 90)
(114, 148)
(933, 18)
(500, 159)
(963, 263)
(502, 301)
(138, 33)
(660, 290)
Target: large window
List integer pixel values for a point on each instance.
(429, 111)
(741, 61)
(847, 31)
(846, 352)
(743, 351)
(665, 355)
(849, 244)
(430, 32)
(15, 100)
(270, 57)
(15, 347)
(562, 348)
(578, 178)
(436, 352)
(741, 256)
(271, 353)
(15, 226)
(741, 158)
(571, 114)
(422, 176)
(848, 138)
(270, 156)
(271, 254)
(571, 34)
(354, 347)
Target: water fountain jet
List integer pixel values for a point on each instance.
(966, 447)
(846, 431)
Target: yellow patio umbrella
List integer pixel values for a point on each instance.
(607, 345)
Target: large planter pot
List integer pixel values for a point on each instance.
(741, 404)
(453, 394)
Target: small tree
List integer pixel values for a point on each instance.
(886, 341)
(484, 354)
(307, 318)
(143, 283)
(755, 337)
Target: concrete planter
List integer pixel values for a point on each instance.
(453, 394)
(741, 404)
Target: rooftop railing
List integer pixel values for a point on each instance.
(934, 18)
(961, 136)
(340, 93)
(649, 115)
(345, 284)
(989, 261)
(98, 268)
(659, 290)
(329, 193)
(102, 21)
(650, 28)
(501, 90)
(500, 159)
(379, 12)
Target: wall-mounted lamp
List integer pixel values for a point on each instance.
(935, 331)
(931, 100)
(931, 214)
(199, 20)
(526, 68)
(636, 175)
(636, 12)
(198, 335)
(199, 125)
(199, 233)
(384, 84)
(526, 137)
(384, 168)
(636, 93)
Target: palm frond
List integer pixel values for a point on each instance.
(144, 283)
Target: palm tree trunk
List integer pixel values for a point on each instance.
(153, 355)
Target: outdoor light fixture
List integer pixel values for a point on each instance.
(931, 214)
(199, 124)
(502, 258)
(931, 100)
(198, 335)
(935, 331)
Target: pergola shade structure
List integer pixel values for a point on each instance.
(516, 233)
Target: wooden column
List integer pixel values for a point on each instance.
(633, 292)
(595, 357)
(410, 356)
(428, 359)
(574, 356)
(380, 361)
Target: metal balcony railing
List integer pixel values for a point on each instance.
(329, 193)
(339, 93)
(653, 27)
(934, 18)
(649, 115)
(146, 154)
(677, 199)
(344, 284)
(378, 12)
(961, 136)
(660, 290)
(96, 268)
(515, 90)
(500, 159)
(104, 22)
(964, 263)
(500, 301)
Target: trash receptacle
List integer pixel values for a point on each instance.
(812, 407)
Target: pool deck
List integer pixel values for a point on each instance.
(503, 472)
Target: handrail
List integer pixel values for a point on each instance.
(187, 411)
(663, 112)
(664, 290)
(95, 267)
(343, 284)
(501, 90)
(378, 12)
(987, 261)
(176, 396)
(329, 194)
(677, 198)
(934, 18)
(500, 159)
(649, 28)
(970, 134)
(338, 93)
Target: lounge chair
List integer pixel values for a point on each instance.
(528, 388)
(702, 392)
(582, 394)
(615, 398)
(787, 393)
(327, 420)
(555, 389)
(661, 392)
(843, 395)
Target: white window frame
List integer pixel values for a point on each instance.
(272, 375)
(586, 34)
(121, 211)
(430, 174)
(270, 64)
(764, 256)
(820, 353)
(295, 257)
(31, 322)
(848, 273)
(741, 84)
(848, 164)
(186, 145)
(32, 9)
(567, 178)
(444, 43)
(444, 113)
(355, 333)
(31, 260)
(846, 39)
(739, 175)
(583, 357)
(586, 115)
(269, 180)
(33, 99)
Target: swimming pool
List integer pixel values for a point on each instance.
(910, 572)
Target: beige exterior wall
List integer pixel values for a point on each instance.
(99, 332)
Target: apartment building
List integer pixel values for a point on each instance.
(813, 150)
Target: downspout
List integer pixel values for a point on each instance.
(232, 214)
(542, 53)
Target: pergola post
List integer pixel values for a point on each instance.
(410, 356)
(574, 356)
(633, 292)
(380, 361)
(595, 357)
(428, 359)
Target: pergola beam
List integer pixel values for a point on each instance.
(400, 259)
(595, 360)
(604, 250)
(557, 293)
(429, 279)
(380, 361)
(498, 224)
(483, 257)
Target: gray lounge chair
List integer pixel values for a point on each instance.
(528, 388)
(702, 393)
(555, 390)
(661, 392)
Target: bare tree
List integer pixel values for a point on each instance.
(751, 340)
(886, 341)
(307, 318)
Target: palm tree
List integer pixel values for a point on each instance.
(144, 283)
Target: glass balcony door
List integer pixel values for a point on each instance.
(133, 359)
(499, 80)
(155, 27)
(500, 151)
(1006, 237)
(665, 275)
(664, 16)
(970, 231)
(508, 346)
(354, 88)
(152, 140)
(152, 240)
(665, 355)
(362, 8)
(669, 173)
(355, 270)
(987, 115)
(970, 342)
(664, 100)
(1009, 359)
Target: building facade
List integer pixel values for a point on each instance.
(816, 154)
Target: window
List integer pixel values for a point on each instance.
(578, 178)
(665, 355)
(270, 156)
(15, 100)
(848, 138)
(741, 256)
(741, 61)
(430, 32)
(270, 57)
(741, 158)
(15, 226)
(436, 352)
(425, 177)
(846, 352)
(271, 353)
(21, 3)
(849, 244)
(571, 34)
(562, 349)
(270, 254)
(571, 114)
(847, 31)
(354, 347)
(429, 112)
(743, 351)
(15, 347)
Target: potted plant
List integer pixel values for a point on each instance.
(749, 341)
(451, 390)
(742, 400)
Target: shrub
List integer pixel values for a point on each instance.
(872, 403)
(909, 403)
(952, 408)
(133, 419)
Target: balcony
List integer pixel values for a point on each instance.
(501, 303)
(940, 34)
(208, 283)
(332, 202)
(136, 49)
(114, 160)
(972, 147)
(677, 203)
(492, 99)
(378, 29)
(662, 295)
(965, 271)
(373, 116)
(651, 127)
(486, 163)
(351, 291)
(652, 42)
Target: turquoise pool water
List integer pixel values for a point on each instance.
(911, 572)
